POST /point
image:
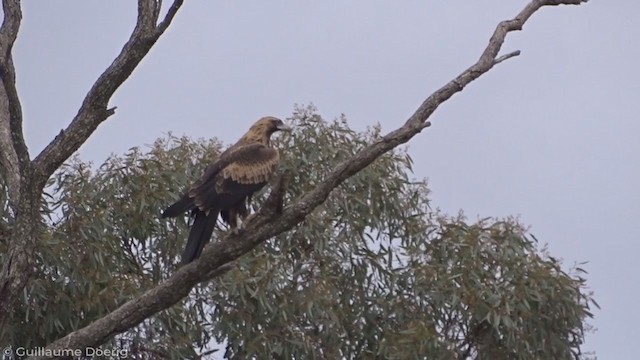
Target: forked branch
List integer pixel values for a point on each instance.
(25, 179)
(94, 109)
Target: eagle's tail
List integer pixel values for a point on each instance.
(184, 204)
(200, 234)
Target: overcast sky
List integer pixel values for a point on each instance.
(550, 136)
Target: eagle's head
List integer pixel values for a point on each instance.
(269, 125)
(262, 129)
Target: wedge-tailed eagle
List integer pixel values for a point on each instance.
(228, 183)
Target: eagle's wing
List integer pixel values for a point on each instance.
(234, 176)
(224, 160)
(248, 164)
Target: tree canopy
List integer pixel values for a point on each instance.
(373, 273)
(344, 257)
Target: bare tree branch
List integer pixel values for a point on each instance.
(148, 11)
(9, 167)
(27, 183)
(269, 223)
(94, 107)
(14, 156)
(171, 13)
(16, 172)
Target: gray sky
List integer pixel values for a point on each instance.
(551, 136)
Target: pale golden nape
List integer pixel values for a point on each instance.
(261, 131)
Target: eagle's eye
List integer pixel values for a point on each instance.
(279, 125)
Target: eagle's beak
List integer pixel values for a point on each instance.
(283, 127)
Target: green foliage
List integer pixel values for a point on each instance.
(373, 273)
(106, 243)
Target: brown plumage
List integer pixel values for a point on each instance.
(228, 183)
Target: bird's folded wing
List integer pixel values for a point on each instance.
(254, 167)
(245, 164)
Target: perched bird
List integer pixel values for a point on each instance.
(228, 183)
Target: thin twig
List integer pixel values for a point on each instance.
(506, 57)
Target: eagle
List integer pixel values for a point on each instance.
(228, 183)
